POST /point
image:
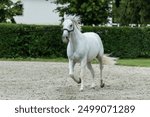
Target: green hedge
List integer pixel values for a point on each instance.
(124, 42)
(31, 41)
(45, 41)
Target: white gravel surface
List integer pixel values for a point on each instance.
(50, 81)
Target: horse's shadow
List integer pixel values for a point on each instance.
(72, 92)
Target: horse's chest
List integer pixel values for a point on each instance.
(77, 53)
(77, 56)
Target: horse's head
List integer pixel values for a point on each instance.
(68, 28)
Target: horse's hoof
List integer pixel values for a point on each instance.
(79, 81)
(93, 86)
(81, 90)
(102, 85)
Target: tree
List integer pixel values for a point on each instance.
(117, 3)
(91, 11)
(9, 9)
(132, 12)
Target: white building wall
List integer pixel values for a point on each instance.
(38, 12)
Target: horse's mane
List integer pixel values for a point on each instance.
(75, 19)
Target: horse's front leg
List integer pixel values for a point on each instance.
(82, 74)
(71, 71)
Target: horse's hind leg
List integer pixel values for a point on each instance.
(89, 66)
(100, 59)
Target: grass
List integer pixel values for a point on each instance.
(36, 59)
(141, 62)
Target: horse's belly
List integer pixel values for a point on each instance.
(93, 51)
(92, 55)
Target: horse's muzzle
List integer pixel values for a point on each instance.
(65, 39)
(65, 36)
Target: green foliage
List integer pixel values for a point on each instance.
(120, 42)
(124, 42)
(31, 41)
(131, 12)
(45, 41)
(91, 11)
(9, 9)
(117, 3)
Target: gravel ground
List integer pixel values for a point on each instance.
(50, 81)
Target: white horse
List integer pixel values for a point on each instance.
(83, 48)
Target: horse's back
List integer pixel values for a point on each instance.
(91, 34)
(93, 38)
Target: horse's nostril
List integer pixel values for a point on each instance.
(65, 37)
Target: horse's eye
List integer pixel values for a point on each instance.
(71, 26)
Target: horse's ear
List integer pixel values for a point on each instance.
(65, 16)
(74, 16)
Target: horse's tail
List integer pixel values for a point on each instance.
(107, 60)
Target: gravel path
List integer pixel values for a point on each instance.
(49, 80)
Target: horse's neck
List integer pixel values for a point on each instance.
(76, 37)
